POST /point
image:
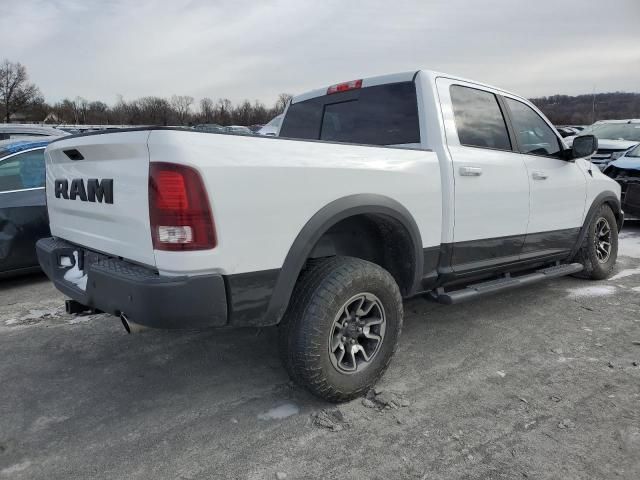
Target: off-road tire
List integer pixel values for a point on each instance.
(593, 268)
(319, 295)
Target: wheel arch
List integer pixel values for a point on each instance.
(320, 223)
(604, 198)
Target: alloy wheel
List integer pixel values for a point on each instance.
(602, 240)
(357, 333)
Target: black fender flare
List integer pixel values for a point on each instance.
(607, 197)
(318, 224)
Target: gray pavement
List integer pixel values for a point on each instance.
(540, 383)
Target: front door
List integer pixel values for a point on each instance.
(558, 187)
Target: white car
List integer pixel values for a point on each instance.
(238, 129)
(272, 128)
(376, 189)
(13, 131)
(615, 137)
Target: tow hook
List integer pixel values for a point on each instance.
(72, 307)
(131, 327)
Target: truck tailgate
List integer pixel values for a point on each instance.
(97, 193)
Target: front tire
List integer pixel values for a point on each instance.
(341, 328)
(599, 250)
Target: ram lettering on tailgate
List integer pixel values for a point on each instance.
(96, 190)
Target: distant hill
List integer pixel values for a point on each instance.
(578, 110)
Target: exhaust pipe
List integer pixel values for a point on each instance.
(131, 327)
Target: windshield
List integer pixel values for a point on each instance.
(614, 131)
(635, 152)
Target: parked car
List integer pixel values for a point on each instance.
(9, 131)
(626, 171)
(209, 127)
(23, 211)
(567, 131)
(271, 129)
(376, 189)
(238, 129)
(615, 137)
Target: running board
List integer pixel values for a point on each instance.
(505, 283)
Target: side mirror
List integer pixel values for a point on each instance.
(584, 145)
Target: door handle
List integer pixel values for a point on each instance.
(539, 175)
(470, 171)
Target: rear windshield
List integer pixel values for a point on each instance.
(380, 115)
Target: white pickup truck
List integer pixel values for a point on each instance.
(375, 190)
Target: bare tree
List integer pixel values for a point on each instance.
(152, 110)
(207, 110)
(224, 108)
(281, 103)
(81, 106)
(181, 105)
(15, 90)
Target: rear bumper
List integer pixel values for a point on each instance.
(116, 286)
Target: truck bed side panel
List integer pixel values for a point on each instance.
(264, 190)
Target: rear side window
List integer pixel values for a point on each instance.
(478, 118)
(22, 171)
(380, 115)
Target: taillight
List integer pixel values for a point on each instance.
(343, 87)
(179, 209)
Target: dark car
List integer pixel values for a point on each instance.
(23, 210)
(626, 171)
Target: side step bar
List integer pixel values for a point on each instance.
(505, 283)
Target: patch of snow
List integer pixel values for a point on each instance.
(76, 276)
(636, 289)
(43, 422)
(501, 373)
(65, 262)
(281, 411)
(15, 468)
(75, 320)
(37, 314)
(629, 245)
(11, 321)
(592, 291)
(626, 273)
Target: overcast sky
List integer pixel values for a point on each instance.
(256, 49)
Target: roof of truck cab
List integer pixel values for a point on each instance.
(395, 78)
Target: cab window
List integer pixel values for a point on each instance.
(535, 136)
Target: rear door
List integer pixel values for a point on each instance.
(23, 212)
(97, 193)
(490, 178)
(558, 187)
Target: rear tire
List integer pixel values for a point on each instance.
(599, 249)
(341, 328)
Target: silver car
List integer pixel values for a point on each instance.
(10, 131)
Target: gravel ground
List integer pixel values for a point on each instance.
(540, 383)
